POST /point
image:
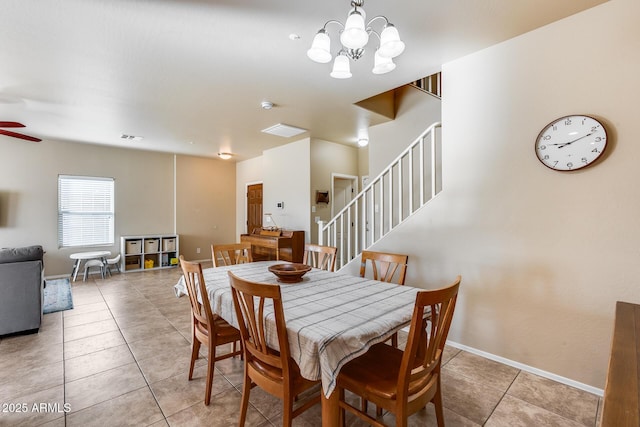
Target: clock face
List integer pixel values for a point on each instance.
(571, 142)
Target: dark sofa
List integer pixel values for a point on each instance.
(21, 289)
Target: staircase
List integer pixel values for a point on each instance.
(430, 84)
(406, 185)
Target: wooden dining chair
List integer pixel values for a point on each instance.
(231, 254)
(273, 371)
(384, 267)
(207, 328)
(404, 382)
(319, 256)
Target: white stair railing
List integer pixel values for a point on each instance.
(409, 182)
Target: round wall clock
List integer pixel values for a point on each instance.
(571, 143)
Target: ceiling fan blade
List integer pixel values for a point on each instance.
(19, 135)
(11, 125)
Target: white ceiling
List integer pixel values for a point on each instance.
(189, 75)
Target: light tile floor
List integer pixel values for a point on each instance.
(121, 356)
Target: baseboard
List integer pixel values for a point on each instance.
(527, 368)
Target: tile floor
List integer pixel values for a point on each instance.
(121, 356)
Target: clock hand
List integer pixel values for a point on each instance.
(571, 142)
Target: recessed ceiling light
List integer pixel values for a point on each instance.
(225, 156)
(283, 130)
(266, 105)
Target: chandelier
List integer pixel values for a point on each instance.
(354, 36)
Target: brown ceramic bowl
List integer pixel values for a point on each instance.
(289, 273)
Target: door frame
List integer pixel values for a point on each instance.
(354, 182)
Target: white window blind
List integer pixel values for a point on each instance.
(85, 211)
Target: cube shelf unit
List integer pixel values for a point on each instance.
(150, 252)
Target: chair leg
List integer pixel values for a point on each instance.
(340, 392)
(394, 340)
(195, 349)
(287, 415)
(210, 366)
(246, 390)
(437, 402)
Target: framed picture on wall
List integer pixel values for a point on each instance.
(322, 196)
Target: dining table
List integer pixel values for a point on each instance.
(85, 256)
(331, 318)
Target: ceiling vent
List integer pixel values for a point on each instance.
(284, 131)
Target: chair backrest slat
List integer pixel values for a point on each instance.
(251, 300)
(428, 332)
(318, 256)
(384, 266)
(231, 254)
(195, 284)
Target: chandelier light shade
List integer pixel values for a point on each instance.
(320, 50)
(390, 43)
(341, 68)
(381, 64)
(354, 37)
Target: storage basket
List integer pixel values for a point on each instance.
(151, 245)
(168, 245)
(133, 247)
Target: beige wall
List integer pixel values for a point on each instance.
(287, 173)
(543, 255)
(29, 193)
(328, 158)
(144, 196)
(205, 195)
(247, 172)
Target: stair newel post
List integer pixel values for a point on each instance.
(320, 232)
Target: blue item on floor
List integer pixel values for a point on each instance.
(57, 296)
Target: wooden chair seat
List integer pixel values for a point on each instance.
(375, 374)
(276, 375)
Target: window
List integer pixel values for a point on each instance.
(85, 211)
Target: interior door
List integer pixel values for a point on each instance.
(343, 192)
(254, 207)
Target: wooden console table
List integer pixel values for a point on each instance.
(288, 246)
(622, 390)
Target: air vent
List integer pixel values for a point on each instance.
(284, 131)
(131, 137)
